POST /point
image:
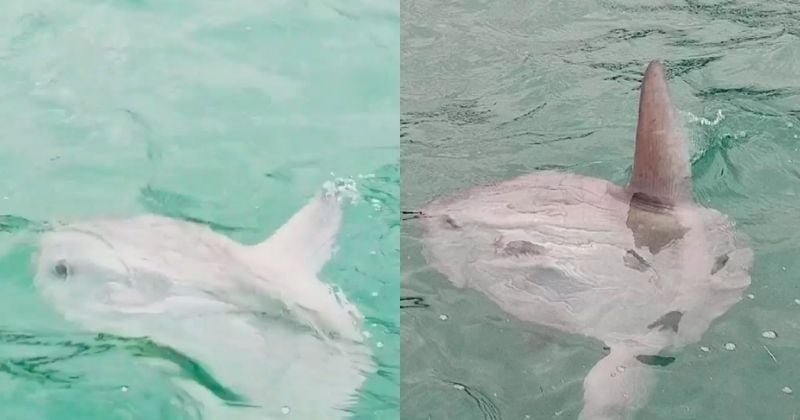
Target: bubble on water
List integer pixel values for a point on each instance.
(379, 344)
(751, 296)
(787, 390)
(705, 349)
(769, 334)
(366, 334)
(730, 346)
(342, 188)
(459, 387)
(443, 317)
(620, 369)
(123, 388)
(705, 121)
(286, 409)
(797, 301)
(374, 294)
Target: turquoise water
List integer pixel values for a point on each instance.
(231, 114)
(491, 90)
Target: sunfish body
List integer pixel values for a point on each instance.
(257, 317)
(640, 267)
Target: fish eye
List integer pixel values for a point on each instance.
(61, 269)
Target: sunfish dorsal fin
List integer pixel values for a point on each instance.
(302, 247)
(661, 168)
(308, 237)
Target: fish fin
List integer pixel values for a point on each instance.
(301, 248)
(661, 170)
(617, 385)
(308, 237)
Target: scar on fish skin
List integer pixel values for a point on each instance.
(719, 263)
(668, 320)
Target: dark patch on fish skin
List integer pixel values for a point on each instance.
(637, 256)
(655, 360)
(450, 222)
(650, 203)
(719, 263)
(669, 320)
(652, 223)
(518, 248)
(486, 406)
(413, 302)
(635, 261)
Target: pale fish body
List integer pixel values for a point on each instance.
(257, 317)
(641, 267)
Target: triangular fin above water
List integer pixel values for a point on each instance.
(661, 170)
(309, 236)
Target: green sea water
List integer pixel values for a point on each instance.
(492, 90)
(232, 114)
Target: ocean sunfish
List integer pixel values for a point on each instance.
(256, 317)
(640, 267)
